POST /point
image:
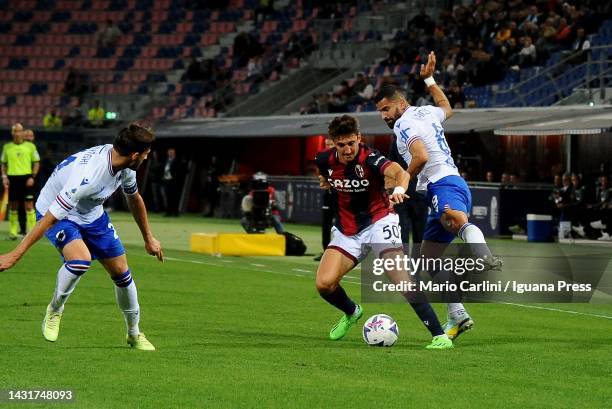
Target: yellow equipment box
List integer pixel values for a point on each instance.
(238, 244)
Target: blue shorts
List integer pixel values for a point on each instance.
(449, 192)
(100, 236)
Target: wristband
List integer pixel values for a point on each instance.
(429, 81)
(399, 189)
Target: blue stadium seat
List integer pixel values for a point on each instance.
(59, 64)
(22, 16)
(37, 89)
(25, 39)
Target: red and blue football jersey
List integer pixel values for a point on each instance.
(357, 188)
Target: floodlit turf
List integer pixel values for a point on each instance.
(252, 332)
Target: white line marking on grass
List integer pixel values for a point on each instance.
(557, 310)
(536, 307)
(300, 270)
(257, 265)
(190, 261)
(226, 261)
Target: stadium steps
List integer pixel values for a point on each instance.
(295, 105)
(301, 82)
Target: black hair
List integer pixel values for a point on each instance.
(133, 139)
(343, 125)
(388, 91)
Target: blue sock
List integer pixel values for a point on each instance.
(340, 300)
(429, 318)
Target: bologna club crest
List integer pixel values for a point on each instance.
(359, 171)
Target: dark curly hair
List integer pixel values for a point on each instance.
(342, 126)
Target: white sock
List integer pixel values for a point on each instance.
(127, 299)
(471, 234)
(456, 310)
(68, 277)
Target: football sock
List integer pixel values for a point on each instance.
(13, 222)
(456, 310)
(68, 277)
(127, 299)
(472, 235)
(427, 315)
(340, 300)
(30, 220)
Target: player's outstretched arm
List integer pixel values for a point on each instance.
(427, 71)
(395, 172)
(8, 260)
(139, 212)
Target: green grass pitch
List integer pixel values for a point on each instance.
(252, 333)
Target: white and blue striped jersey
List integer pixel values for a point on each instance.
(81, 183)
(424, 123)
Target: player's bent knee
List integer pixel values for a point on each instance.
(452, 220)
(326, 285)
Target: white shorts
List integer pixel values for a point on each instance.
(385, 234)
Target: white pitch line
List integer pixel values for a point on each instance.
(257, 265)
(536, 307)
(557, 310)
(300, 270)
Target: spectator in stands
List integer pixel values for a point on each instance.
(108, 36)
(546, 43)
(255, 70)
(73, 116)
(193, 72)
(95, 115)
(505, 179)
(490, 177)
(76, 84)
(564, 33)
(580, 47)
(422, 21)
(245, 47)
(528, 54)
(367, 89)
(456, 96)
(265, 9)
(52, 121)
(514, 179)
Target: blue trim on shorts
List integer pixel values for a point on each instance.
(99, 236)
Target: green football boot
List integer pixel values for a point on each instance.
(140, 342)
(346, 322)
(51, 324)
(440, 342)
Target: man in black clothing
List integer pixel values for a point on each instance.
(173, 182)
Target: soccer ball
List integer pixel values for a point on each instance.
(380, 330)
